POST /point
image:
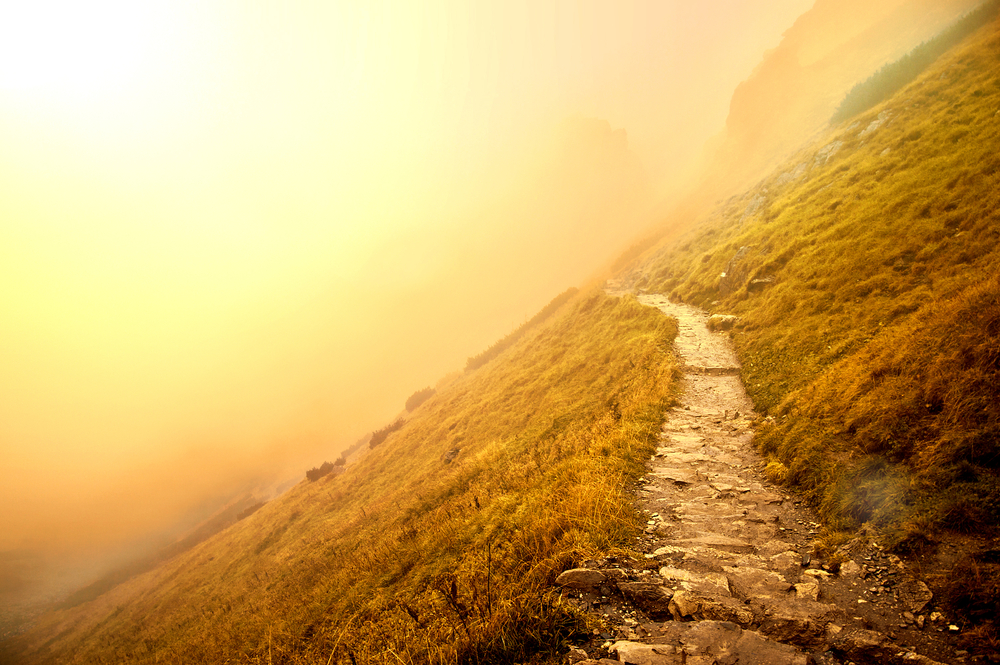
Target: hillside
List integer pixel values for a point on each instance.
(794, 91)
(789, 98)
(864, 272)
(864, 275)
(440, 545)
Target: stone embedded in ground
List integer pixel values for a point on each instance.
(799, 621)
(721, 321)
(807, 590)
(849, 569)
(684, 604)
(917, 593)
(683, 458)
(759, 284)
(678, 476)
(708, 517)
(669, 551)
(755, 583)
(686, 440)
(816, 572)
(772, 498)
(864, 645)
(694, 605)
(709, 643)
(647, 654)
(715, 583)
(724, 487)
(918, 659)
(757, 649)
(583, 579)
(653, 599)
(718, 542)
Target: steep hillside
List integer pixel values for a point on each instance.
(440, 544)
(795, 90)
(864, 273)
(789, 98)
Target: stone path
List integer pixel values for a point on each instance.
(730, 574)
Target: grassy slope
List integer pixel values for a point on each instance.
(406, 555)
(876, 348)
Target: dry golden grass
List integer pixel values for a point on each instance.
(406, 558)
(875, 347)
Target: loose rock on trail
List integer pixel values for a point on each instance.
(731, 574)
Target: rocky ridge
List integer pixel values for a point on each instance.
(731, 570)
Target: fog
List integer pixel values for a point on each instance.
(235, 236)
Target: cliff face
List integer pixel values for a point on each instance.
(796, 88)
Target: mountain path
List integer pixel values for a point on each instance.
(730, 574)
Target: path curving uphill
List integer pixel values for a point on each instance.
(730, 574)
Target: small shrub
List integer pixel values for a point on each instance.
(776, 472)
(243, 514)
(418, 398)
(316, 473)
(380, 435)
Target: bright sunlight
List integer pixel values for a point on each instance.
(75, 50)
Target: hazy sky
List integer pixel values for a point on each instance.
(235, 233)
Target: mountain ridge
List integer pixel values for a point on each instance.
(415, 553)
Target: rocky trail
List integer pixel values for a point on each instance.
(731, 573)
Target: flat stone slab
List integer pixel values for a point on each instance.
(700, 492)
(653, 599)
(668, 550)
(726, 487)
(685, 439)
(698, 606)
(728, 644)
(697, 518)
(714, 541)
(682, 458)
(678, 476)
(807, 591)
(713, 583)
(648, 654)
(581, 578)
(754, 583)
(799, 621)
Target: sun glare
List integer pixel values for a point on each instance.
(73, 49)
